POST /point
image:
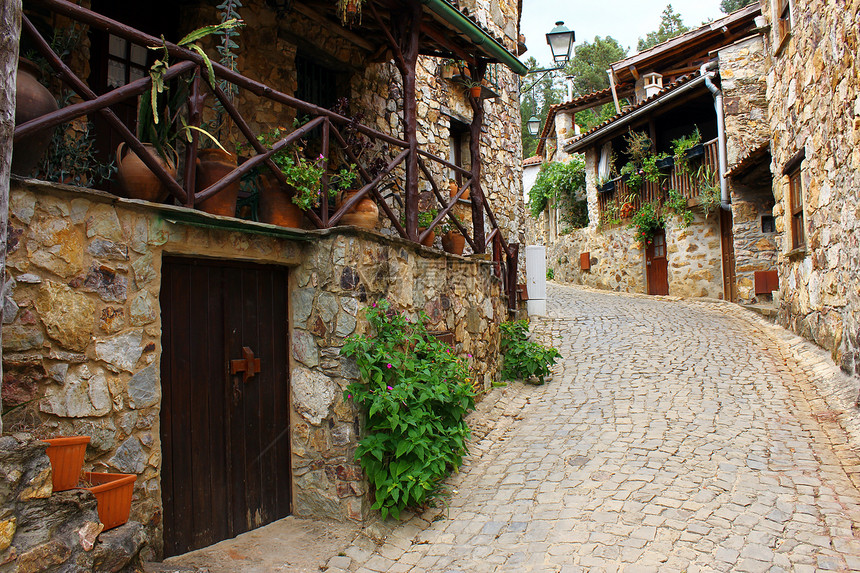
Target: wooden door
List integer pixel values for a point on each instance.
(730, 285)
(225, 440)
(657, 265)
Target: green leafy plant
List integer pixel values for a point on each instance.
(524, 359)
(610, 215)
(647, 221)
(550, 274)
(677, 203)
(414, 393)
(638, 146)
(634, 175)
(425, 217)
(303, 174)
(555, 181)
(681, 145)
(709, 190)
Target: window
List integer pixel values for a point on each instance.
(795, 193)
(783, 20)
(768, 224)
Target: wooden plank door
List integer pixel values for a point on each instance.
(225, 439)
(727, 240)
(657, 265)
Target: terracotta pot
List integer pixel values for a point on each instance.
(113, 494)
(136, 178)
(453, 242)
(365, 214)
(475, 91)
(67, 458)
(32, 100)
(453, 188)
(212, 166)
(428, 241)
(276, 206)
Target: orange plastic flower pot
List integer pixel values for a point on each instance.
(67, 458)
(113, 494)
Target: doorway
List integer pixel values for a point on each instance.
(727, 242)
(224, 435)
(657, 264)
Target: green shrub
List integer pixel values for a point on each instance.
(415, 394)
(522, 358)
(555, 181)
(550, 274)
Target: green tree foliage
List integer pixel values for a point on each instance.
(671, 25)
(556, 181)
(729, 6)
(588, 68)
(537, 102)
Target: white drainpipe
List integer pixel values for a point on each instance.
(707, 72)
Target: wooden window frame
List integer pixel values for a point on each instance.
(782, 17)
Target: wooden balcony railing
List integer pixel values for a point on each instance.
(686, 181)
(188, 63)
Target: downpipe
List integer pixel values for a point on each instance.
(707, 72)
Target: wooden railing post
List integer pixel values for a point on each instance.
(195, 112)
(513, 271)
(475, 130)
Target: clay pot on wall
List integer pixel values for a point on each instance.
(67, 458)
(276, 206)
(137, 179)
(475, 91)
(453, 188)
(364, 214)
(32, 100)
(453, 242)
(212, 166)
(428, 241)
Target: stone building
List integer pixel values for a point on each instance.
(710, 81)
(123, 318)
(813, 95)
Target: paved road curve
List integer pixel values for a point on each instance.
(675, 436)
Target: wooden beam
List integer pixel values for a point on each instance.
(633, 72)
(475, 130)
(332, 27)
(442, 39)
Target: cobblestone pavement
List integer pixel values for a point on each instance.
(675, 436)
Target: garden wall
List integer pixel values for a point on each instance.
(82, 329)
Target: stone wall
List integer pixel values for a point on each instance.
(743, 68)
(82, 330)
(755, 250)
(814, 106)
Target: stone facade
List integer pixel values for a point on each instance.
(743, 71)
(82, 330)
(813, 90)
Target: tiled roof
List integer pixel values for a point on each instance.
(533, 160)
(671, 87)
(594, 97)
(749, 160)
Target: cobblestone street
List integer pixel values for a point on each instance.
(675, 436)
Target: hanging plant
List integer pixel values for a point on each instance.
(349, 11)
(648, 220)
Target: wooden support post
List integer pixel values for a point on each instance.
(407, 24)
(513, 270)
(10, 39)
(195, 111)
(475, 129)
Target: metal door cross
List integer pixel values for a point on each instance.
(248, 365)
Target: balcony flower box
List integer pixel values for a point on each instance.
(695, 151)
(67, 458)
(665, 164)
(113, 495)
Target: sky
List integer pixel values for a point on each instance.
(624, 20)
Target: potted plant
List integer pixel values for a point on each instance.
(349, 11)
(453, 240)
(67, 458)
(449, 68)
(664, 161)
(686, 148)
(113, 494)
(475, 88)
(626, 209)
(605, 183)
(425, 219)
(32, 100)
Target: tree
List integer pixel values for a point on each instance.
(536, 102)
(671, 25)
(590, 62)
(588, 68)
(729, 6)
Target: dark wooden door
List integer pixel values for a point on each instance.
(225, 440)
(727, 240)
(657, 265)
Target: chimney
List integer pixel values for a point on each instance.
(569, 83)
(653, 83)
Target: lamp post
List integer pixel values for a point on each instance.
(560, 40)
(533, 125)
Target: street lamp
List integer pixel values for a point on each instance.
(533, 125)
(560, 40)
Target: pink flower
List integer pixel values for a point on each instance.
(349, 396)
(469, 355)
(389, 365)
(390, 388)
